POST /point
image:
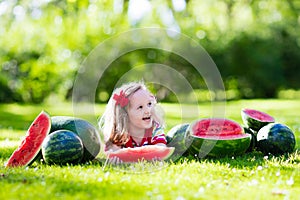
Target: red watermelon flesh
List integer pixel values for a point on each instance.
(144, 153)
(255, 119)
(217, 137)
(216, 127)
(259, 115)
(222, 137)
(31, 144)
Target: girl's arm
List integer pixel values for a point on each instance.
(159, 137)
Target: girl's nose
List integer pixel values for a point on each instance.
(147, 110)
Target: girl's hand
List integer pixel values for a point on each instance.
(115, 147)
(114, 161)
(112, 147)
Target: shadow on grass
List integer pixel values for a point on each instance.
(6, 152)
(15, 121)
(249, 160)
(62, 182)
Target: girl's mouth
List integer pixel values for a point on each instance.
(146, 118)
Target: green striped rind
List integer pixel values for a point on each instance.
(169, 155)
(254, 124)
(62, 147)
(176, 137)
(219, 147)
(276, 138)
(87, 132)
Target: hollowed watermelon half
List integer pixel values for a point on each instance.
(276, 138)
(176, 138)
(217, 137)
(31, 144)
(86, 131)
(144, 153)
(256, 119)
(62, 147)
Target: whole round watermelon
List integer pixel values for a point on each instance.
(276, 138)
(88, 134)
(62, 147)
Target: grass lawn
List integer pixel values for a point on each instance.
(250, 176)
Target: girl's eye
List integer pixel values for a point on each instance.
(140, 107)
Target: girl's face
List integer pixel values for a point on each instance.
(140, 110)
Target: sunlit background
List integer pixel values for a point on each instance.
(255, 44)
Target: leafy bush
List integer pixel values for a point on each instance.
(255, 46)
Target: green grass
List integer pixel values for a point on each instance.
(250, 176)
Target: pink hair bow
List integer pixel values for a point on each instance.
(121, 99)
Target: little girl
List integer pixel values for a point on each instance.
(131, 120)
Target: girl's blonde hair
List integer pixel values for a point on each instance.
(114, 121)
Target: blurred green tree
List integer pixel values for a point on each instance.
(255, 44)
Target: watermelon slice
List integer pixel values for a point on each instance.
(144, 153)
(31, 144)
